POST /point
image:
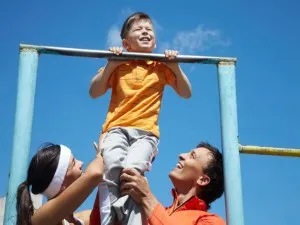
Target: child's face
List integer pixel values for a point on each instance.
(140, 38)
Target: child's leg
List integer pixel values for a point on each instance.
(140, 154)
(114, 150)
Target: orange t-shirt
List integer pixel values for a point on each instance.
(137, 90)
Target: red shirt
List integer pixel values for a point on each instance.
(192, 212)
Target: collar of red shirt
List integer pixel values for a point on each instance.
(193, 203)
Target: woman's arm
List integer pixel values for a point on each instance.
(84, 216)
(56, 209)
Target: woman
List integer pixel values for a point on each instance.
(55, 173)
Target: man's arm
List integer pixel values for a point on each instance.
(183, 86)
(137, 187)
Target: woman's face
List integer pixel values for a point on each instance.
(74, 171)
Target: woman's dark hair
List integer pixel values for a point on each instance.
(39, 175)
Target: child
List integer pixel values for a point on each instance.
(131, 124)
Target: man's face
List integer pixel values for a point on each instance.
(188, 172)
(140, 38)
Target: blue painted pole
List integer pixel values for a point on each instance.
(230, 145)
(22, 132)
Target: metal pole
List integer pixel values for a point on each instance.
(22, 132)
(229, 129)
(250, 149)
(126, 55)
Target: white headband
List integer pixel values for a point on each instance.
(60, 173)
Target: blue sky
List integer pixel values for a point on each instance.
(264, 36)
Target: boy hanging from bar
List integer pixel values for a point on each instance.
(131, 127)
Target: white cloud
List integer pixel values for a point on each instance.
(113, 34)
(198, 39)
(113, 37)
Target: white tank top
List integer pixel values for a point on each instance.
(67, 223)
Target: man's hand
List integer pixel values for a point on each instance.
(136, 186)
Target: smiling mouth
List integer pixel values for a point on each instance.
(179, 166)
(144, 39)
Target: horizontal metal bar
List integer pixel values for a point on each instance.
(249, 149)
(125, 55)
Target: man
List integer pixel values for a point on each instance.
(198, 181)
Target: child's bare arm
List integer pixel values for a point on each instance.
(183, 86)
(99, 83)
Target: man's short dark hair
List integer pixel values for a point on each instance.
(214, 170)
(130, 20)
